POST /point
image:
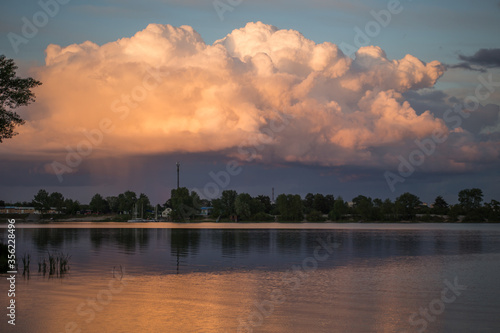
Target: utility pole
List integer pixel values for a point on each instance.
(178, 164)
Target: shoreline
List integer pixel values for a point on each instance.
(260, 225)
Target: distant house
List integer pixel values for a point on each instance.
(53, 210)
(18, 210)
(26, 210)
(206, 211)
(166, 212)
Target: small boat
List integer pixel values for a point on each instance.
(137, 220)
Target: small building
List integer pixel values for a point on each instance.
(27, 210)
(166, 213)
(18, 210)
(206, 211)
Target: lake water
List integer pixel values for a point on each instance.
(164, 277)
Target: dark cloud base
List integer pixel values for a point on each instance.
(156, 177)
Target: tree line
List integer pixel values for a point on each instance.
(124, 203)
(318, 208)
(186, 205)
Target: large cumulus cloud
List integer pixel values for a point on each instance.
(165, 90)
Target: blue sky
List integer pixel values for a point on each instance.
(428, 30)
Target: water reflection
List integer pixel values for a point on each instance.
(470, 242)
(439, 242)
(411, 243)
(289, 242)
(202, 248)
(208, 280)
(184, 242)
(235, 242)
(130, 239)
(97, 237)
(45, 238)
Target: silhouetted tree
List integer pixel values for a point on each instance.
(493, 211)
(113, 204)
(470, 201)
(290, 207)
(308, 202)
(329, 202)
(363, 207)
(440, 206)
(126, 201)
(14, 92)
(406, 205)
(143, 203)
(205, 203)
(72, 206)
(266, 203)
(182, 204)
(57, 201)
(388, 210)
(243, 206)
(454, 212)
(320, 204)
(377, 210)
(315, 216)
(340, 209)
(41, 201)
(98, 204)
(228, 198)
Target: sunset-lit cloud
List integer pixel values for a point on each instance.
(164, 90)
(125, 96)
(260, 95)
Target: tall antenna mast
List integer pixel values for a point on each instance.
(178, 164)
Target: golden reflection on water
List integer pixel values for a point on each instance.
(357, 298)
(196, 302)
(375, 290)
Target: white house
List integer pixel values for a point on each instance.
(166, 212)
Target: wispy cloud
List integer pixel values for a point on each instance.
(483, 57)
(467, 66)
